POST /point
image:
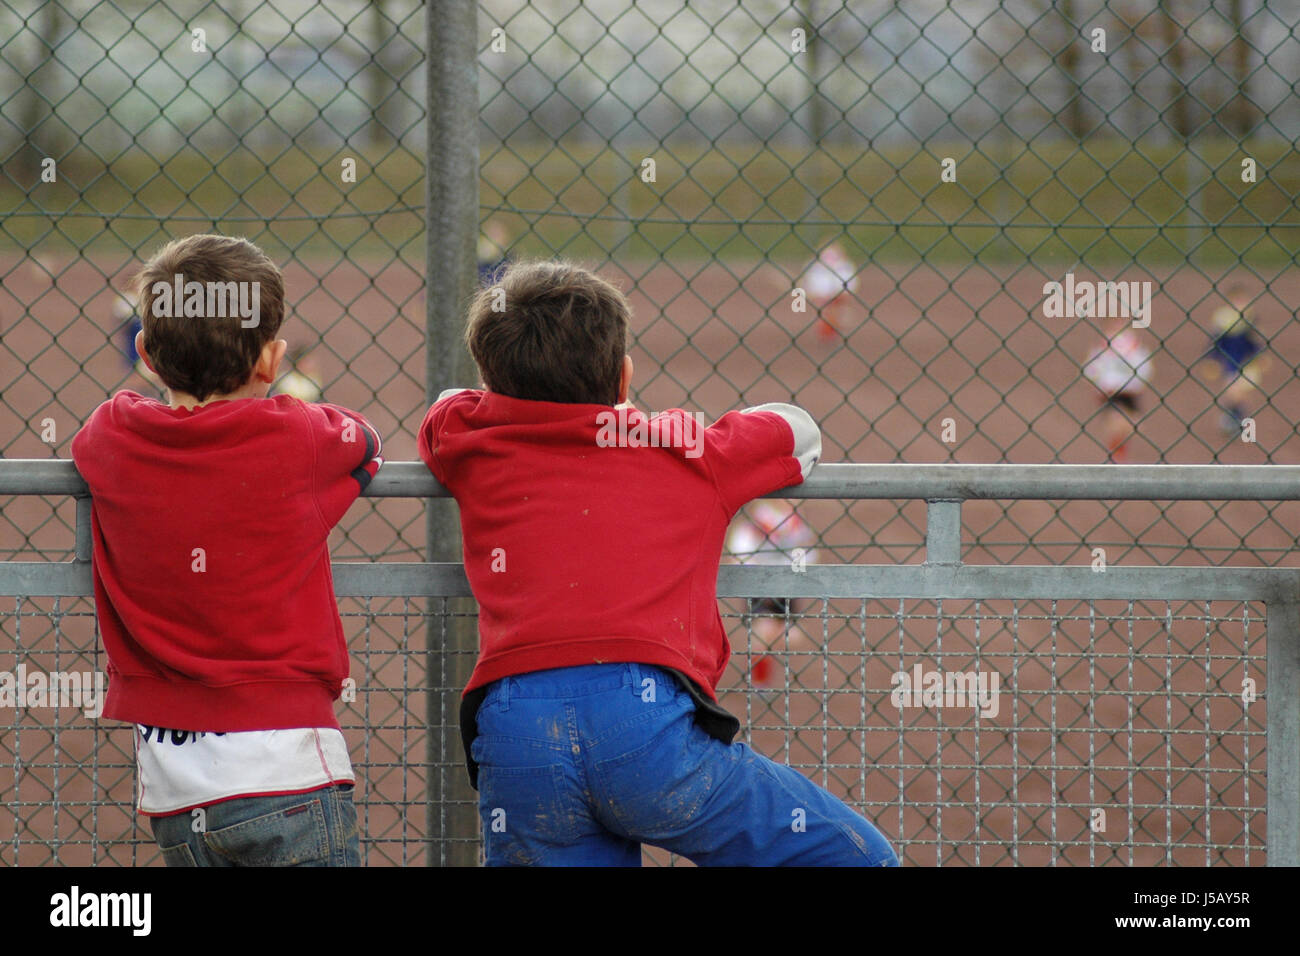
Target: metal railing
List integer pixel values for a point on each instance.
(1136, 694)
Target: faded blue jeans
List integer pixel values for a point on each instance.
(317, 828)
(579, 766)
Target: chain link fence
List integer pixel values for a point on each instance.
(858, 207)
(957, 158)
(299, 125)
(706, 155)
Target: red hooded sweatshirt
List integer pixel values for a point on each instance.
(580, 551)
(212, 573)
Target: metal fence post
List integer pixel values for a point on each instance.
(451, 227)
(943, 531)
(1283, 730)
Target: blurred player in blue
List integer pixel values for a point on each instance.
(493, 256)
(129, 324)
(1237, 358)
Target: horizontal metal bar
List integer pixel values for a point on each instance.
(45, 579)
(418, 579)
(1052, 482)
(876, 581)
(411, 479)
(1024, 582)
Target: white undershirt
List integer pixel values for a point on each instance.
(180, 770)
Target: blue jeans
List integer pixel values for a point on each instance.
(579, 766)
(318, 828)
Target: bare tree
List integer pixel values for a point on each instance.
(1179, 110)
(33, 104)
(1072, 116)
(809, 21)
(1135, 17)
(378, 79)
(1242, 113)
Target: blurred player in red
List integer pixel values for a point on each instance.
(772, 533)
(830, 283)
(1120, 367)
(1237, 358)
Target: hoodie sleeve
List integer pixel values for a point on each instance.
(427, 439)
(758, 450)
(347, 456)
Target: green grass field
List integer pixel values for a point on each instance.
(1103, 202)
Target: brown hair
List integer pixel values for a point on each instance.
(559, 335)
(203, 355)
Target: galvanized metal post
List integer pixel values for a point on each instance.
(84, 531)
(1283, 730)
(451, 228)
(943, 531)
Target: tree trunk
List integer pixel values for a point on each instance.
(1243, 115)
(1133, 66)
(1178, 111)
(379, 82)
(33, 105)
(816, 102)
(1073, 117)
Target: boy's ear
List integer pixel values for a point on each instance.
(625, 379)
(139, 350)
(268, 363)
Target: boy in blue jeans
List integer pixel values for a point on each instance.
(592, 537)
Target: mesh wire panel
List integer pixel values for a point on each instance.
(1102, 732)
(1105, 733)
(68, 782)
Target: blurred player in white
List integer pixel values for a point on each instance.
(830, 283)
(302, 378)
(772, 533)
(1121, 368)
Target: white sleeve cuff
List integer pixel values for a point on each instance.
(807, 436)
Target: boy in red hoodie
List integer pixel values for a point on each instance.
(592, 536)
(212, 573)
